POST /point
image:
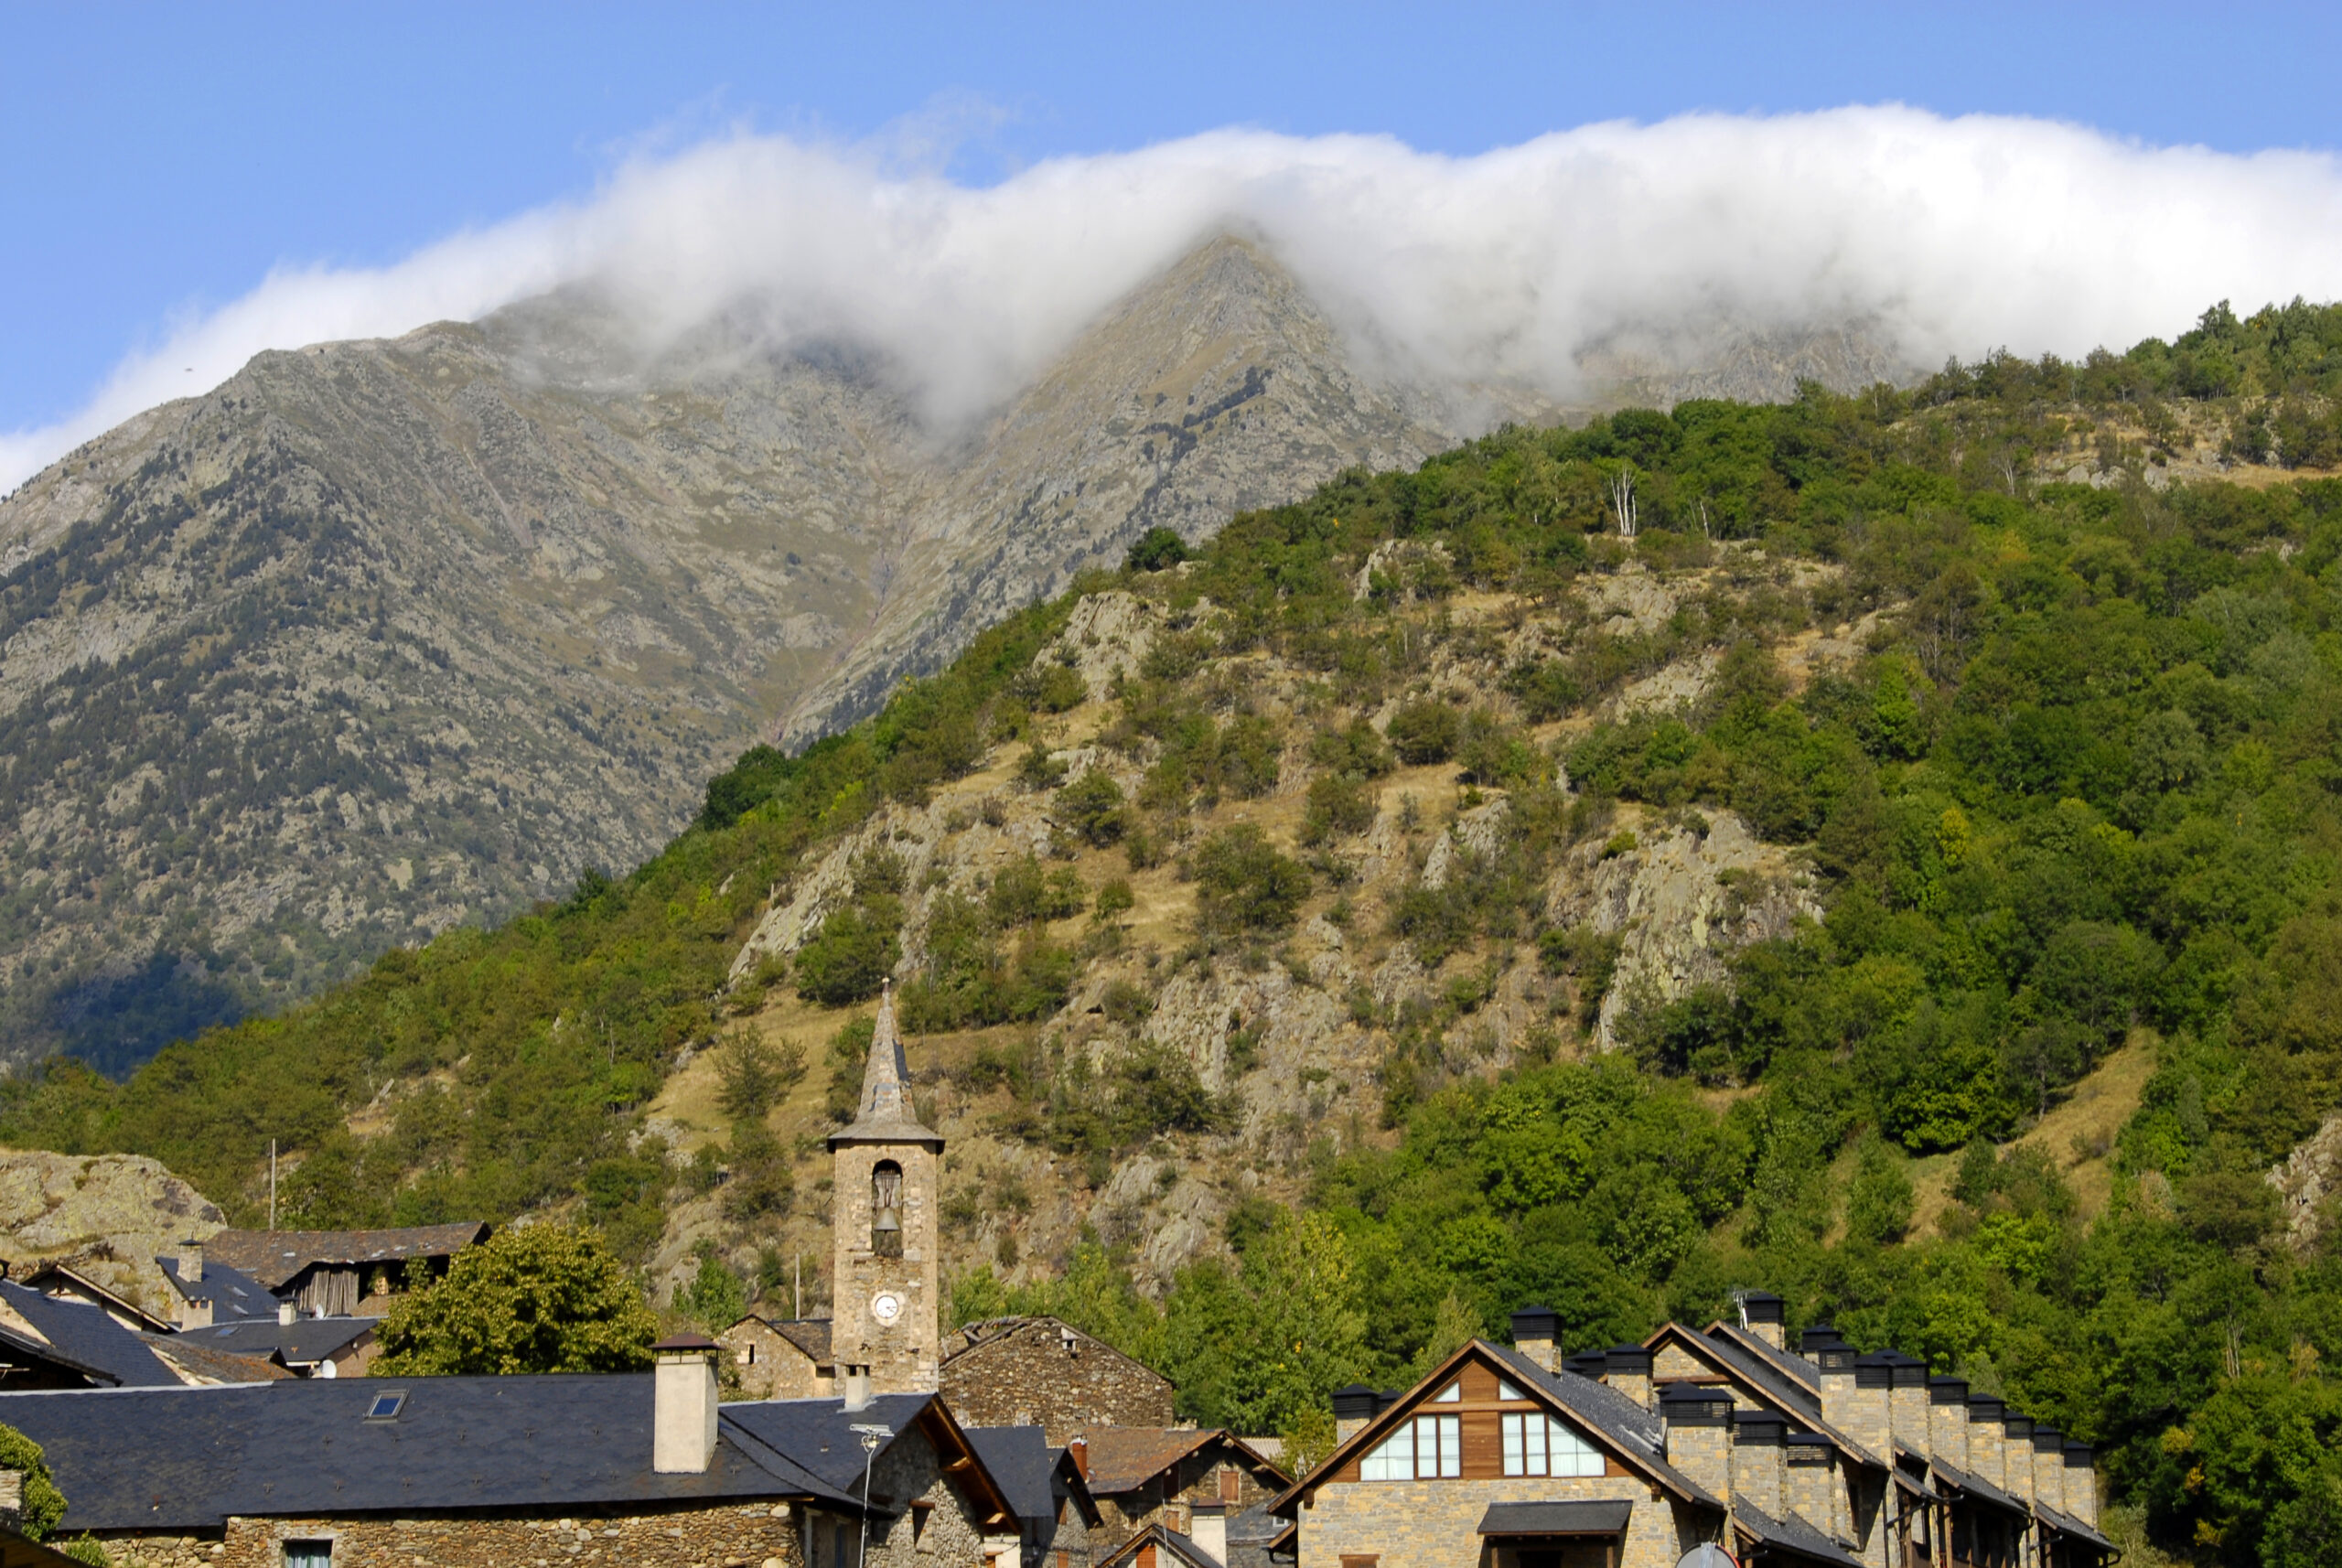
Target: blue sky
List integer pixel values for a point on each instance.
(160, 161)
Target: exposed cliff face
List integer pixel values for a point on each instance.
(107, 1216)
(382, 637)
(1299, 1035)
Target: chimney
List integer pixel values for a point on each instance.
(1835, 1360)
(1626, 1368)
(2050, 1467)
(288, 1310)
(1534, 1333)
(1080, 1448)
(1757, 1439)
(855, 1386)
(1948, 1420)
(2081, 1483)
(1985, 1460)
(1353, 1407)
(1907, 1403)
(1208, 1528)
(1696, 1420)
(1809, 1482)
(1760, 1314)
(2016, 1456)
(683, 1405)
(191, 1262)
(1868, 1421)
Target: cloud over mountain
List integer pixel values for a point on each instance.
(1944, 236)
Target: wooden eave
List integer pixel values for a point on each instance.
(960, 1464)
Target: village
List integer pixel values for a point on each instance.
(247, 1431)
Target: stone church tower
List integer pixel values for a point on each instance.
(885, 1330)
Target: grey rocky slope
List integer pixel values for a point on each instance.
(381, 637)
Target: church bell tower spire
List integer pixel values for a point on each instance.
(886, 1308)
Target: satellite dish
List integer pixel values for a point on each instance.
(1709, 1555)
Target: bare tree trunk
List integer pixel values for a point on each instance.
(1622, 500)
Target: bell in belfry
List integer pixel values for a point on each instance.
(887, 1209)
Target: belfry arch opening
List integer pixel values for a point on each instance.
(887, 1209)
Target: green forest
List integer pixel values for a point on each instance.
(2083, 787)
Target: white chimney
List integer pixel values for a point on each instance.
(287, 1311)
(855, 1385)
(1208, 1530)
(683, 1416)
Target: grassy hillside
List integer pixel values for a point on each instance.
(1991, 722)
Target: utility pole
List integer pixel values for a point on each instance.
(797, 1260)
(271, 1183)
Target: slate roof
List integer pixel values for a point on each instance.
(1792, 1534)
(231, 1291)
(1021, 1460)
(815, 1431)
(76, 1282)
(2060, 1521)
(885, 1114)
(185, 1459)
(196, 1363)
(810, 1335)
(1740, 1355)
(1606, 1517)
(1977, 1486)
(1631, 1426)
(302, 1342)
(275, 1257)
(1806, 1374)
(83, 1333)
(1180, 1548)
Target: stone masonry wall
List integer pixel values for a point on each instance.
(772, 1366)
(1027, 1376)
(1436, 1524)
(730, 1535)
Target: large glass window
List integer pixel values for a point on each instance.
(1424, 1448)
(1540, 1445)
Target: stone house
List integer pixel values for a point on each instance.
(335, 1273)
(1900, 1468)
(781, 1359)
(1189, 1480)
(630, 1468)
(1155, 1547)
(1044, 1486)
(1011, 1371)
(64, 1342)
(207, 1291)
(62, 1280)
(1497, 1460)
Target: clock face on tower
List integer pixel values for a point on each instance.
(886, 1306)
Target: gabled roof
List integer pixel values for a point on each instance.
(1733, 1355)
(82, 1332)
(995, 1330)
(275, 1257)
(810, 1335)
(1792, 1534)
(1786, 1364)
(196, 1363)
(1124, 1459)
(2067, 1524)
(1977, 1486)
(303, 1341)
(77, 1283)
(1020, 1459)
(185, 1459)
(818, 1433)
(1167, 1543)
(232, 1292)
(1623, 1428)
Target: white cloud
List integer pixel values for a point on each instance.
(1953, 235)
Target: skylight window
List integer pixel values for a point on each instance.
(386, 1407)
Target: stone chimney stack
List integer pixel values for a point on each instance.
(1758, 1437)
(1869, 1421)
(2016, 1456)
(1626, 1368)
(2081, 1483)
(1761, 1314)
(1835, 1358)
(2050, 1467)
(1810, 1482)
(1353, 1407)
(1907, 1402)
(191, 1262)
(682, 1417)
(1080, 1448)
(1948, 1420)
(1984, 1458)
(1535, 1333)
(1698, 1423)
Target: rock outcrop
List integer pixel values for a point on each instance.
(108, 1216)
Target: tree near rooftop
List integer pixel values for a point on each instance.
(535, 1298)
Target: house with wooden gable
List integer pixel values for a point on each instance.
(1189, 1480)
(338, 1274)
